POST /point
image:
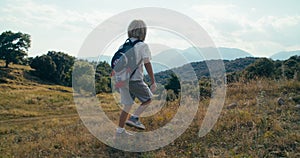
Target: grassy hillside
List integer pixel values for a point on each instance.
(39, 119)
(23, 95)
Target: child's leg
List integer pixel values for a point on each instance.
(141, 108)
(141, 90)
(123, 116)
(127, 101)
(134, 119)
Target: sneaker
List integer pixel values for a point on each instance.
(134, 122)
(123, 135)
(121, 139)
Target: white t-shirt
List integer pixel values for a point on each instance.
(142, 54)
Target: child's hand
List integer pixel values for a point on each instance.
(153, 87)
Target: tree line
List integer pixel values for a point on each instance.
(57, 67)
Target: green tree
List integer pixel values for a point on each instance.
(13, 46)
(103, 69)
(102, 77)
(60, 67)
(83, 77)
(44, 66)
(173, 84)
(64, 64)
(261, 68)
(278, 69)
(205, 87)
(291, 67)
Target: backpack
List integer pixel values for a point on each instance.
(124, 63)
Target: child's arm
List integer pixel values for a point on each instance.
(149, 70)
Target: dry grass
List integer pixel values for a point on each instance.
(17, 101)
(256, 127)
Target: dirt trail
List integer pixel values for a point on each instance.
(27, 119)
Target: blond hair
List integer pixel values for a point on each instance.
(137, 29)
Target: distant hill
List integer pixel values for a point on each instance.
(172, 58)
(201, 70)
(208, 53)
(233, 53)
(97, 58)
(175, 57)
(284, 55)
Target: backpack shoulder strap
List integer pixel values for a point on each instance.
(135, 42)
(135, 69)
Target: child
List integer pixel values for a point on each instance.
(137, 88)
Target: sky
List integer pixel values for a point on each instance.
(261, 28)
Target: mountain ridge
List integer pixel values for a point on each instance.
(283, 55)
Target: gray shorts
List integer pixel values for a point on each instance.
(136, 89)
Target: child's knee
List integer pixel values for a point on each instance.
(147, 102)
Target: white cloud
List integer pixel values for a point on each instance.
(285, 22)
(33, 14)
(214, 11)
(230, 26)
(29, 13)
(51, 27)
